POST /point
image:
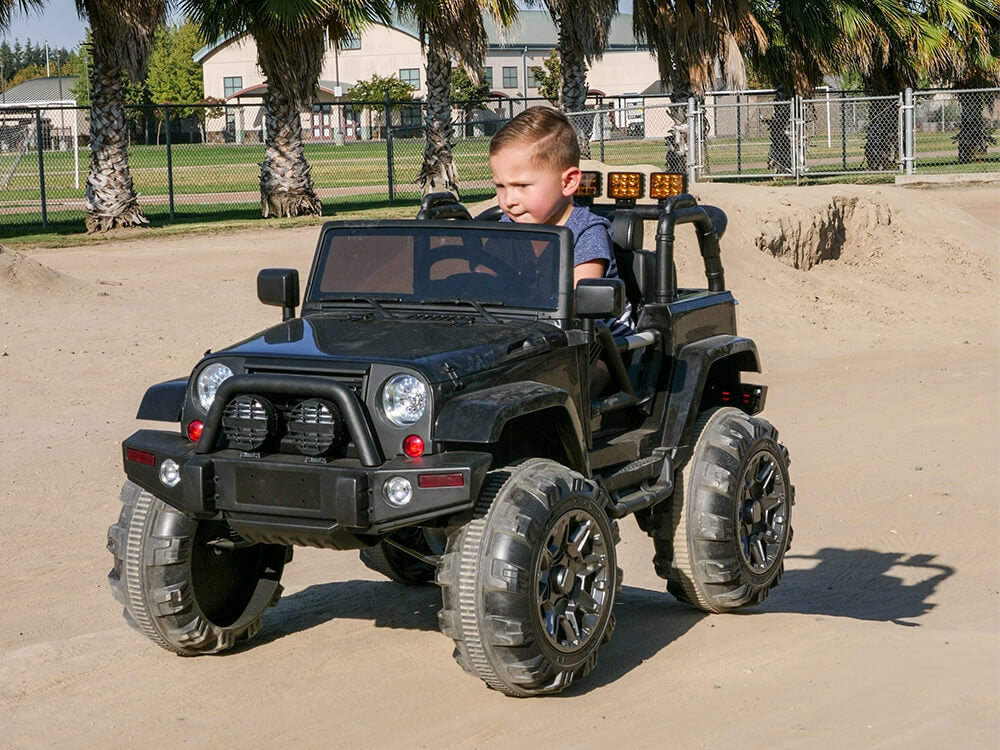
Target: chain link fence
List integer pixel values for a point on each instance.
(956, 129)
(202, 162)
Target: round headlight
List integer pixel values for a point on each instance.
(404, 399)
(209, 381)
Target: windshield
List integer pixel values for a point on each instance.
(439, 261)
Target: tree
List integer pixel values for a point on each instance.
(371, 95)
(583, 29)
(449, 29)
(9, 7)
(970, 58)
(690, 39)
(548, 76)
(122, 35)
(174, 77)
(466, 93)
(290, 40)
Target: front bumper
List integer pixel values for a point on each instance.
(284, 495)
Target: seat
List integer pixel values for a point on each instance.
(636, 267)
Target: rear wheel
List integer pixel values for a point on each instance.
(731, 514)
(529, 584)
(190, 586)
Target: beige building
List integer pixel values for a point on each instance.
(230, 72)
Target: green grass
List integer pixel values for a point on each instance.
(354, 178)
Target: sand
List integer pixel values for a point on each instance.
(875, 312)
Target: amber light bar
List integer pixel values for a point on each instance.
(665, 184)
(627, 185)
(590, 185)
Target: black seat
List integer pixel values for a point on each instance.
(636, 267)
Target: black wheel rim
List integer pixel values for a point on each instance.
(763, 511)
(574, 580)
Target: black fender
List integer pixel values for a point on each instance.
(691, 371)
(163, 401)
(480, 416)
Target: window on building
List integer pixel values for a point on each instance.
(410, 117)
(509, 77)
(410, 76)
(488, 76)
(232, 84)
(531, 82)
(351, 41)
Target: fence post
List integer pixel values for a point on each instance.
(170, 163)
(909, 157)
(41, 166)
(600, 120)
(694, 141)
(739, 135)
(843, 131)
(388, 146)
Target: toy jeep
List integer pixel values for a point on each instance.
(431, 405)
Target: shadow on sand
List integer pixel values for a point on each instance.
(860, 584)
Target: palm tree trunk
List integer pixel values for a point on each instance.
(974, 136)
(573, 92)
(110, 198)
(438, 171)
(286, 186)
(882, 135)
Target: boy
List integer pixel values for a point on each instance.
(535, 160)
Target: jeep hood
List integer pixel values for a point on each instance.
(467, 345)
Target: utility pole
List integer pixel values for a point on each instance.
(47, 73)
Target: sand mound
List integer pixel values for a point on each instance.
(803, 240)
(18, 271)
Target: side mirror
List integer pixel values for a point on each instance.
(280, 287)
(600, 298)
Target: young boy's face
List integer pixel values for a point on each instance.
(529, 193)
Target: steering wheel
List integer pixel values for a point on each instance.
(477, 257)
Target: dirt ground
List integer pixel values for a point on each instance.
(875, 311)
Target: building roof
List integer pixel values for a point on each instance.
(533, 29)
(41, 91)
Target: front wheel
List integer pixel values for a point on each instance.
(731, 514)
(190, 586)
(529, 585)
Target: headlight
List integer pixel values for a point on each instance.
(404, 399)
(209, 381)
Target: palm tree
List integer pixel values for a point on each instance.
(690, 38)
(803, 39)
(583, 29)
(8, 7)
(290, 38)
(970, 59)
(121, 38)
(449, 29)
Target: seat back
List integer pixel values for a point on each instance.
(636, 267)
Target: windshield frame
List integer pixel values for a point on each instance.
(316, 300)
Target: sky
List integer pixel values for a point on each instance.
(60, 26)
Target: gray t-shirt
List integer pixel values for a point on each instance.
(592, 241)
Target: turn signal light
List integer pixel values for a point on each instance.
(665, 184)
(590, 185)
(627, 185)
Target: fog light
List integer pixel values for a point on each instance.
(398, 491)
(170, 473)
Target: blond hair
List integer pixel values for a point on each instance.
(548, 130)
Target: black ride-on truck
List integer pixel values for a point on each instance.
(430, 405)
